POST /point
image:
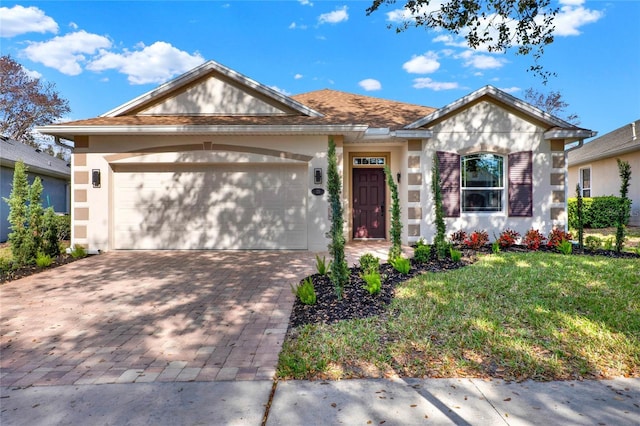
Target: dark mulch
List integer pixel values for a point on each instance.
(25, 271)
(358, 303)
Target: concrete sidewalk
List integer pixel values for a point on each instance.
(388, 402)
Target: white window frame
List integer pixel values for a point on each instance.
(581, 181)
(502, 188)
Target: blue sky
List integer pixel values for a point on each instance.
(102, 54)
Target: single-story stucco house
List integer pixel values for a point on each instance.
(54, 173)
(595, 168)
(216, 160)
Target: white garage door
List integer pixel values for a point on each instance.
(211, 207)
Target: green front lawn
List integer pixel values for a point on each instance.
(515, 316)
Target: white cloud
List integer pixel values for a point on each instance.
(427, 83)
(422, 64)
(21, 20)
(279, 90)
(335, 17)
(369, 84)
(482, 62)
(73, 26)
(305, 2)
(512, 89)
(399, 16)
(297, 76)
(572, 16)
(294, 26)
(151, 64)
(67, 53)
(31, 73)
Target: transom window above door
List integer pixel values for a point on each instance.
(482, 183)
(369, 161)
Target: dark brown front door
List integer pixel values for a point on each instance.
(368, 203)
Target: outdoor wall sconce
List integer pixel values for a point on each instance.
(398, 177)
(95, 178)
(317, 176)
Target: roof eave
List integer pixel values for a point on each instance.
(569, 135)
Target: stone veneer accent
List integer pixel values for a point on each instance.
(557, 196)
(79, 160)
(557, 179)
(81, 178)
(414, 162)
(414, 188)
(80, 195)
(80, 231)
(557, 213)
(414, 145)
(413, 196)
(81, 213)
(413, 230)
(557, 160)
(415, 212)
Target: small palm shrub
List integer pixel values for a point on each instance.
(43, 260)
(565, 247)
(305, 291)
(495, 247)
(401, 265)
(458, 237)
(321, 265)
(369, 263)
(78, 252)
(373, 282)
(456, 255)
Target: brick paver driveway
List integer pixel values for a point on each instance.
(124, 317)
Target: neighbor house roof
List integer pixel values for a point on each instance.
(37, 161)
(623, 140)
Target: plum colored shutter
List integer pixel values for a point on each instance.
(521, 184)
(449, 165)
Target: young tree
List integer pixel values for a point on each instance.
(551, 103)
(26, 102)
(50, 241)
(580, 214)
(35, 217)
(497, 25)
(439, 241)
(339, 269)
(625, 206)
(19, 238)
(396, 226)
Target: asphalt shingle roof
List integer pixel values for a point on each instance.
(608, 145)
(40, 162)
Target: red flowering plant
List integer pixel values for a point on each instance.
(533, 239)
(556, 236)
(508, 238)
(476, 240)
(458, 237)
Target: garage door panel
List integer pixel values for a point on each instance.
(227, 207)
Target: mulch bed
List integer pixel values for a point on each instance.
(25, 271)
(358, 303)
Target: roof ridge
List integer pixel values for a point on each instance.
(364, 96)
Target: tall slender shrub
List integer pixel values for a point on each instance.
(36, 216)
(623, 210)
(439, 241)
(396, 226)
(339, 274)
(19, 238)
(50, 243)
(580, 216)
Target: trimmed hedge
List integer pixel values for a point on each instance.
(599, 212)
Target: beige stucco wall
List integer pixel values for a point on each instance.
(93, 208)
(486, 127)
(605, 180)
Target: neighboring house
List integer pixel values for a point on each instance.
(594, 166)
(215, 160)
(54, 173)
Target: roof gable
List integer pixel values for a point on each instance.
(37, 161)
(212, 89)
(620, 141)
(505, 100)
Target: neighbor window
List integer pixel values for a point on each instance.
(585, 182)
(482, 183)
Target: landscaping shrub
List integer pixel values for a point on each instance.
(373, 282)
(599, 212)
(565, 247)
(458, 237)
(43, 260)
(20, 238)
(401, 265)
(533, 239)
(305, 291)
(592, 242)
(624, 206)
(78, 252)
(369, 263)
(421, 252)
(557, 236)
(64, 227)
(50, 242)
(508, 238)
(580, 217)
(456, 255)
(321, 265)
(339, 274)
(477, 239)
(441, 246)
(495, 247)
